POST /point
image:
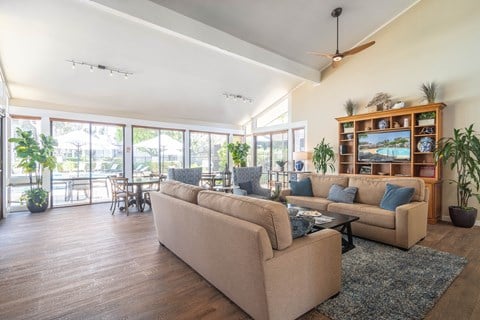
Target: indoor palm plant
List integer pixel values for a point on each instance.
(34, 157)
(323, 157)
(462, 153)
(239, 152)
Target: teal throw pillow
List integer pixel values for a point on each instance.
(301, 188)
(301, 226)
(395, 196)
(338, 193)
(247, 186)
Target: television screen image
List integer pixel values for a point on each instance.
(384, 146)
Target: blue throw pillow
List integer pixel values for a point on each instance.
(338, 193)
(301, 226)
(247, 186)
(395, 196)
(302, 188)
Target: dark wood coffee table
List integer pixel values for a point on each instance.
(342, 223)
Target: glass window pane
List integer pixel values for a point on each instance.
(71, 178)
(298, 140)
(274, 116)
(200, 150)
(279, 149)
(249, 141)
(263, 155)
(146, 151)
(171, 143)
(219, 151)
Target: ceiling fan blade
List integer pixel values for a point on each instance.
(326, 55)
(358, 49)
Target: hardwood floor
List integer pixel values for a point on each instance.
(83, 263)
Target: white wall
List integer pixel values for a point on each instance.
(436, 40)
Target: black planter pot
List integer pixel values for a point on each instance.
(461, 217)
(33, 208)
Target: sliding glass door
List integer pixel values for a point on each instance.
(87, 153)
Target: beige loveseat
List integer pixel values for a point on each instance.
(402, 228)
(243, 246)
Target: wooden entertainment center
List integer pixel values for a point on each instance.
(391, 158)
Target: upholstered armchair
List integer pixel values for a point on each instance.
(248, 181)
(188, 175)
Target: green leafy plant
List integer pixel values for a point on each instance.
(426, 115)
(429, 91)
(239, 152)
(462, 152)
(281, 163)
(350, 107)
(348, 125)
(34, 157)
(323, 157)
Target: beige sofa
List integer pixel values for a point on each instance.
(243, 246)
(402, 228)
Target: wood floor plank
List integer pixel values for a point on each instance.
(83, 263)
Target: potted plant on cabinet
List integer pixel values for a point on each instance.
(323, 157)
(426, 118)
(239, 153)
(348, 127)
(429, 91)
(34, 157)
(462, 152)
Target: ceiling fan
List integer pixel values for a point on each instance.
(338, 56)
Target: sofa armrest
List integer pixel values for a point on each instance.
(304, 274)
(411, 223)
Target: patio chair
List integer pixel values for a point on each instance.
(248, 181)
(187, 175)
(121, 192)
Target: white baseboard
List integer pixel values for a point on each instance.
(447, 218)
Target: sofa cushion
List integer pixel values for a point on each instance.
(416, 183)
(371, 190)
(247, 186)
(341, 194)
(309, 202)
(395, 196)
(302, 188)
(321, 183)
(180, 190)
(368, 214)
(270, 215)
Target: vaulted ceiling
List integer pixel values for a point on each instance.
(183, 54)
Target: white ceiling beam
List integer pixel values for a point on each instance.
(160, 18)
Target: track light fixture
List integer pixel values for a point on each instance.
(237, 97)
(101, 67)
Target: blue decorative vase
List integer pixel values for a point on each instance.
(299, 165)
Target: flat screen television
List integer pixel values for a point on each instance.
(384, 146)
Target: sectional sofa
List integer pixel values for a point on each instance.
(403, 227)
(244, 247)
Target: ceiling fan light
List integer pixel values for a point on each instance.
(337, 58)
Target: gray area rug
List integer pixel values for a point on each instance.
(383, 282)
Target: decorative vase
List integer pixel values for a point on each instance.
(348, 130)
(299, 165)
(461, 217)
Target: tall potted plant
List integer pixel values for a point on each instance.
(462, 153)
(239, 152)
(323, 157)
(34, 157)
